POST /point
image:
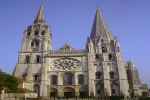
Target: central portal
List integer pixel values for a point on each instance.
(69, 92)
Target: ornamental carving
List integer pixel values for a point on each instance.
(66, 64)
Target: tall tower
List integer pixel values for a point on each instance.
(35, 44)
(107, 74)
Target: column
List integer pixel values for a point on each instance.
(107, 85)
(76, 78)
(60, 84)
(77, 87)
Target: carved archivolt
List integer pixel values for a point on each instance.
(66, 64)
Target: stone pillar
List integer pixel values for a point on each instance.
(77, 88)
(60, 78)
(76, 78)
(107, 85)
(43, 86)
(60, 84)
(60, 91)
(77, 91)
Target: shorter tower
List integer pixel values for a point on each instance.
(36, 43)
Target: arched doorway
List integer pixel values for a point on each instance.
(53, 92)
(37, 89)
(69, 92)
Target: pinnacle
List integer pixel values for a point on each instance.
(99, 27)
(40, 15)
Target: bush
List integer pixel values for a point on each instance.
(144, 98)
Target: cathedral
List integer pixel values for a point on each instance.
(97, 70)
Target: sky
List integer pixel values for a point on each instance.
(70, 22)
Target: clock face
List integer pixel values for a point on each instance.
(67, 64)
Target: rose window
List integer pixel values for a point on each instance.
(66, 63)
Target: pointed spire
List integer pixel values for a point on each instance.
(99, 28)
(40, 15)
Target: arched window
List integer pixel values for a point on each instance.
(98, 87)
(97, 56)
(98, 75)
(38, 59)
(81, 79)
(36, 33)
(28, 33)
(113, 92)
(110, 56)
(102, 40)
(43, 33)
(36, 77)
(68, 78)
(24, 76)
(37, 89)
(112, 74)
(35, 44)
(27, 59)
(54, 79)
(104, 49)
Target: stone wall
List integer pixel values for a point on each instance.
(17, 96)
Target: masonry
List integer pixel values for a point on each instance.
(97, 70)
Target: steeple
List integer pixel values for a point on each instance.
(99, 28)
(40, 15)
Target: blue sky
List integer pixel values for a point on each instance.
(71, 21)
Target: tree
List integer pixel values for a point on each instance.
(8, 82)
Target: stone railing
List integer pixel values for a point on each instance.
(63, 53)
(67, 51)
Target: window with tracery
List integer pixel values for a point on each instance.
(110, 56)
(37, 89)
(38, 59)
(43, 33)
(35, 44)
(28, 33)
(27, 59)
(36, 33)
(36, 77)
(81, 79)
(98, 75)
(104, 49)
(112, 75)
(113, 91)
(54, 79)
(67, 64)
(68, 78)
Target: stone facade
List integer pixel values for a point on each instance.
(98, 70)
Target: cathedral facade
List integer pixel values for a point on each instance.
(97, 70)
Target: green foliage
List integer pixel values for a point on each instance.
(144, 98)
(8, 82)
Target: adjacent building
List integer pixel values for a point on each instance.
(136, 87)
